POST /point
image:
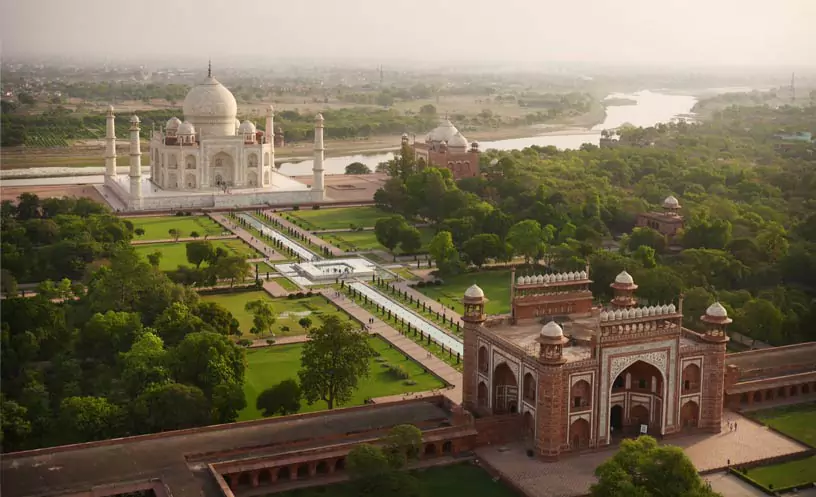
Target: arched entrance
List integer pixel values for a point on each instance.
(252, 179)
(642, 387)
(689, 414)
(222, 170)
(579, 434)
(505, 390)
(482, 394)
(529, 425)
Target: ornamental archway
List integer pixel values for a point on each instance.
(222, 170)
(641, 387)
(505, 390)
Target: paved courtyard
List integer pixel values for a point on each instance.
(573, 476)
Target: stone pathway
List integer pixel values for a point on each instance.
(572, 476)
(408, 346)
(335, 252)
(431, 303)
(270, 254)
(184, 239)
(261, 342)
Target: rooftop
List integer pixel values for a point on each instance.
(80, 468)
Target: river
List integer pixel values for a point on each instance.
(651, 108)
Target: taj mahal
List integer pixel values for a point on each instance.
(210, 159)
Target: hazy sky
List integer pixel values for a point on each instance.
(662, 32)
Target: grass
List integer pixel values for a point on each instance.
(334, 219)
(175, 254)
(358, 241)
(269, 366)
(438, 481)
(157, 228)
(796, 421)
(405, 273)
(427, 314)
(303, 243)
(288, 311)
(496, 286)
(787, 474)
(287, 284)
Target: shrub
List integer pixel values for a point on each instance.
(301, 295)
(245, 342)
(385, 365)
(295, 207)
(315, 207)
(398, 371)
(381, 359)
(409, 383)
(437, 282)
(291, 296)
(284, 328)
(421, 284)
(179, 213)
(270, 341)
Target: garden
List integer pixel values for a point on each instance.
(356, 241)
(175, 254)
(438, 481)
(796, 421)
(158, 228)
(336, 219)
(269, 366)
(288, 311)
(496, 286)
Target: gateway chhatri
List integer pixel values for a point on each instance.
(210, 159)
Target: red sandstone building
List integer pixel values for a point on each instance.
(668, 223)
(446, 147)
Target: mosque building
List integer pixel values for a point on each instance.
(209, 159)
(446, 147)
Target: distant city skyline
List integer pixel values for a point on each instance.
(702, 33)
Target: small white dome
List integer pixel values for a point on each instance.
(540, 278)
(547, 278)
(638, 312)
(716, 310)
(443, 133)
(559, 277)
(582, 275)
(458, 141)
(520, 280)
(672, 309)
(624, 278)
(319, 118)
(652, 310)
(573, 276)
(110, 109)
(474, 292)
(552, 330)
(618, 314)
(246, 128)
(665, 309)
(525, 280)
(173, 123)
(604, 316)
(671, 202)
(186, 128)
(135, 119)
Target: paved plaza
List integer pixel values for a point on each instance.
(572, 476)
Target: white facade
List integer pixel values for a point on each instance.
(208, 155)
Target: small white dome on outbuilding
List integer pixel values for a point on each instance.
(624, 278)
(474, 292)
(671, 202)
(134, 119)
(173, 123)
(716, 310)
(552, 330)
(246, 128)
(186, 128)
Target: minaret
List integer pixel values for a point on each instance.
(473, 318)
(624, 287)
(110, 145)
(317, 169)
(270, 129)
(135, 159)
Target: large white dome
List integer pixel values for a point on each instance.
(211, 108)
(458, 141)
(444, 132)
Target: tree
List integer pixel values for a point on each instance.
(376, 470)
(427, 110)
(367, 461)
(232, 268)
(227, 400)
(642, 468)
(107, 335)
(645, 236)
(174, 233)
(139, 232)
(263, 316)
(207, 360)
(527, 238)
(194, 235)
(8, 283)
(218, 317)
(154, 258)
(170, 406)
(198, 252)
(305, 323)
(333, 360)
(84, 419)
(16, 427)
(357, 168)
(762, 320)
(444, 253)
(645, 255)
(389, 230)
(410, 239)
(283, 399)
(402, 444)
(145, 364)
(176, 322)
(482, 247)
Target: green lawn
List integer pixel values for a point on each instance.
(333, 219)
(440, 481)
(796, 421)
(269, 366)
(287, 284)
(288, 311)
(496, 286)
(157, 228)
(787, 474)
(175, 254)
(352, 241)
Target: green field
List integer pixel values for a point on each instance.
(496, 286)
(269, 366)
(438, 481)
(157, 228)
(796, 421)
(352, 241)
(334, 219)
(288, 311)
(175, 254)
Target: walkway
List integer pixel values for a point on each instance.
(247, 237)
(432, 304)
(301, 251)
(184, 239)
(406, 345)
(284, 223)
(261, 342)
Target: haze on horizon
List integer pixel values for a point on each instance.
(637, 32)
